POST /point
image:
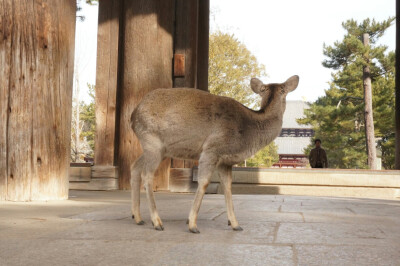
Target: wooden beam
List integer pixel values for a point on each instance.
(147, 65)
(106, 81)
(36, 74)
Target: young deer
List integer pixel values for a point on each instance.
(196, 125)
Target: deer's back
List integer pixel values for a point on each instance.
(188, 121)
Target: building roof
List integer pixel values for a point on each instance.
(294, 110)
(292, 145)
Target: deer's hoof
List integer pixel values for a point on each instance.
(140, 223)
(133, 216)
(194, 230)
(159, 228)
(237, 228)
(187, 221)
(229, 222)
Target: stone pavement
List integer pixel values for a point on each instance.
(95, 228)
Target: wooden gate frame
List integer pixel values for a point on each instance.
(190, 30)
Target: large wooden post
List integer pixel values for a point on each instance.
(185, 43)
(191, 43)
(106, 82)
(397, 89)
(203, 45)
(191, 46)
(147, 65)
(185, 49)
(36, 72)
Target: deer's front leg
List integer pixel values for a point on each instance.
(206, 169)
(225, 173)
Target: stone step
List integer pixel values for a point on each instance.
(325, 191)
(315, 177)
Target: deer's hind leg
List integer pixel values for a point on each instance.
(225, 174)
(151, 162)
(136, 181)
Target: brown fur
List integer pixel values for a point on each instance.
(193, 124)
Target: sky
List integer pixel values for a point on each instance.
(85, 50)
(287, 36)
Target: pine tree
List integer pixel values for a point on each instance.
(338, 117)
(88, 118)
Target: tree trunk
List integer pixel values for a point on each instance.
(36, 75)
(368, 113)
(147, 58)
(397, 89)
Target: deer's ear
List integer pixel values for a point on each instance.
(256, 85)
(292, 83)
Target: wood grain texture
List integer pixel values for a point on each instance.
(37, 59)
(179, 65)
(185, 40)
(186, 43)
(104, 172)
(147, 65)
(5, 71)
(203, 45)
(106, 81)
(96, 184)
(80, 174)
(181, 180)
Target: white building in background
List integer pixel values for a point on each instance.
(294, 138)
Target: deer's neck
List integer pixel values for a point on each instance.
(268, 122)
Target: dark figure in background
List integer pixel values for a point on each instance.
(317, 156)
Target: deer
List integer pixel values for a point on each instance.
(219, 132)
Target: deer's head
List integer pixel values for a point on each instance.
(274, 94)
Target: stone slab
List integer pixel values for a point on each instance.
(95, 228)
(324, 191)
(320, 177)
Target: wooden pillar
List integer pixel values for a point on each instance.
(397, 89)
(185, 50)
(185, 42)
(36, 73)
(106, 82)
(147, 65)
(191, 40)
(192, 43)
(203, 45)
